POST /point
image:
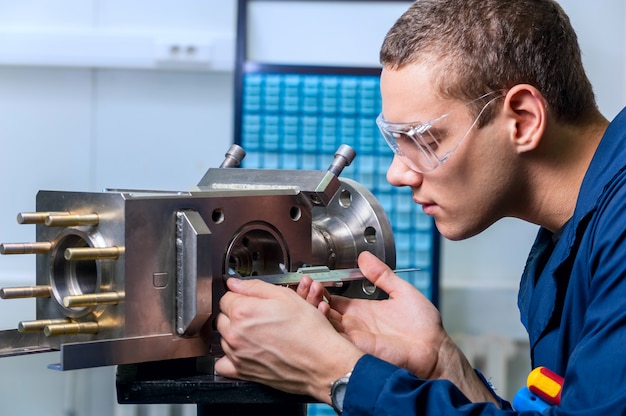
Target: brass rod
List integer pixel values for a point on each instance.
(26, 292)
(92, 253)
(36, 217)
(39, 325)
(39, 247)
(92, 299)
(71, 328)
(69, 220)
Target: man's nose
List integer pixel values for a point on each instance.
(399, 174)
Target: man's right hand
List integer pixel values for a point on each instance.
(405, 330)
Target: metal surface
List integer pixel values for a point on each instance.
(322, 274)
(193, 273)
(181, 382)
(131, 276)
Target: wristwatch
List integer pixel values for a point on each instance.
(338, 392)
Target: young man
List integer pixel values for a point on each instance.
(490, 115)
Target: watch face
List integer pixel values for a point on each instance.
(338, 393)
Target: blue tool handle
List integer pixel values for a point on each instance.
(525, 400)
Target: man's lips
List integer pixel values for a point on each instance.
(427, 207)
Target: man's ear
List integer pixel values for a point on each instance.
(526, 109)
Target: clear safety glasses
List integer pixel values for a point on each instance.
(424, 146)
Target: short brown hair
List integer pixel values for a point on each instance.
(485, 45)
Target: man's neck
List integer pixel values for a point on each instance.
(558, 172)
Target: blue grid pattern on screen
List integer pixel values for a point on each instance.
(297, 121)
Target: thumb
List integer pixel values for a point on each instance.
(377, 272)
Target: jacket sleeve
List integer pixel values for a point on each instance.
(378, 388)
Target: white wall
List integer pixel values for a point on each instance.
(86, 129)
(80, 128)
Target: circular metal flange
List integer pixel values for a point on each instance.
(352, 222)
(256, 249)
(76, 277)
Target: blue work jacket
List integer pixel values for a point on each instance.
(572, 301)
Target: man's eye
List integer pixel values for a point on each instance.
(430, 140)
(408, 145)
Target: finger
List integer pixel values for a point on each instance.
(254, 287)
(331, 315)
(335, 320)
(317, 294)
(304, 286)
(324, 308)
(377, 272)
(222, 323)
(225, 367)
(311, 291)
(226, 302)
(340, 304)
